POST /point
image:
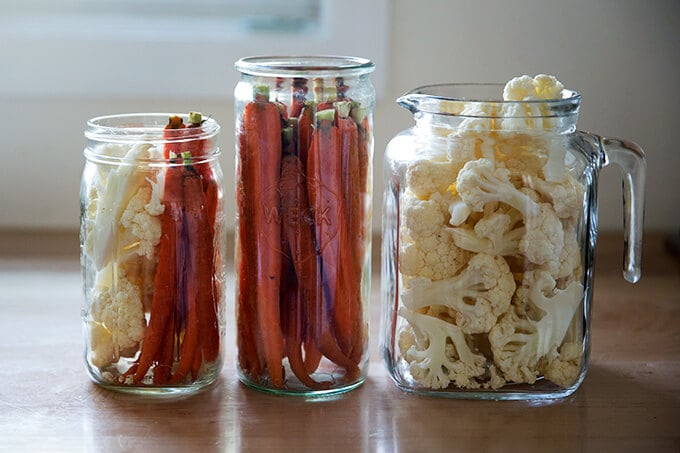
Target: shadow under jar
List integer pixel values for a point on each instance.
(489, 229)
(304, 147)
(152, 252)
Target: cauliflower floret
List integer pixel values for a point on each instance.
(117, 306)
(476, 296)
(461, 149)
(526, 88)
(459, 211)
(564, 369)
(523, 154)
(121, 185)
(543, 239)
(479, 183)
(528, 115)
(570, 257)
(101, 352)
(426, 177)
(141, 223)
(496, 233)
(532, 330)
(438, 354)
(427, 250)
(565, 195)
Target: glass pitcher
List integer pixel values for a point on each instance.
(489, 230)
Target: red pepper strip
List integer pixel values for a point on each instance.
(246, 310)
(298, 233)
(198, 271)
(324, 180)
(160, 330)
(350, 250)
(262, 145)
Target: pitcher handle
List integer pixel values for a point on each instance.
(630, 158)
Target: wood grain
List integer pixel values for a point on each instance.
(630, 400)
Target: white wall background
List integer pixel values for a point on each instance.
(622, 55)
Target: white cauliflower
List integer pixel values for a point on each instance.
(497, 233)
(426, 177)
(566, 195)
(142, 227)
(531, 332)
(543, 239)
(120, 186)
(564, 369)
(117, 317)
(459, 211)
(438, 354)
(502, 208)
(570, 257)
(526, 88)
(476, 296)
(523, 154)
(101, 353)
(427, 249)
(479, 183)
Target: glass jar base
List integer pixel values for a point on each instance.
(490, 395)
(157, 391)
(301, 391)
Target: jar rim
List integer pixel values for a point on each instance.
(304, 65)
(145, 128)
(476, 99)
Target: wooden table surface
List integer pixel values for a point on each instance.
(630, 400)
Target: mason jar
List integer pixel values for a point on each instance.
(152, 248)
(489, 230)
(304, 146)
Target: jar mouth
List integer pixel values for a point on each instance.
(146, 128)
(304, 66)
(484, 100)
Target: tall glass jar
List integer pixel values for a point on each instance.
(304, 147)
(152, 252)
(489, 228)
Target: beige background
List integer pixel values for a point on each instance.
(623, 56)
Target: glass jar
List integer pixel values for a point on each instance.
(489, 229)
(304, 147)
(152, 243)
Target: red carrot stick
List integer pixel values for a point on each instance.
(298, 94)
(324, 185)
(246, 309)
(262, 144)
(210, 339)
(312, 354)
(163, 369)
(349, 302)
(305, 129)
(360, 117)
(160, 332)
(200, 323)
(298, 233)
